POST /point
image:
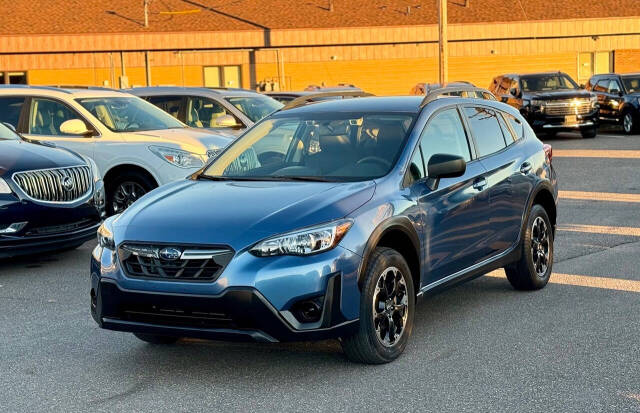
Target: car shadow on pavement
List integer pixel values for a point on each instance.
(233, 359)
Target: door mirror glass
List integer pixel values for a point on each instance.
(74, 127)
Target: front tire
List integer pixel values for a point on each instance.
(533, 270)
(628, 123)
(387, 306)
(126, 188)
(589, 133)
(156, 339)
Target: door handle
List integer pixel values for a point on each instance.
(480, 183)
(525, 168)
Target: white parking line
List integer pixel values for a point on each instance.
(599, 196)
(596, 153)
(606, 283)
(600, 229)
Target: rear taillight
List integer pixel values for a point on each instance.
(548, 151)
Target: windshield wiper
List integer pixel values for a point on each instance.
(278, 178)
(301, 178)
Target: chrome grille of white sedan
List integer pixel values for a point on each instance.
(55, 185)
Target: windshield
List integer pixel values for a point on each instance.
(255, 107)
(320, 146)
(542, 83)
(129, 114)
(6, 134)
(631, 84)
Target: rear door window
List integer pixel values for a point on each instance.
(485, 128)
(10, 108)
(173, 105)
(207, 113)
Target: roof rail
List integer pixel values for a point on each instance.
(21, 86)
(303, 100)
(88, 87)
(456, 91)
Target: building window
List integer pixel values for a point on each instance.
(222, 76)
(13, 78)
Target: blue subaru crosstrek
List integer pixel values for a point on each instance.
(353, 209)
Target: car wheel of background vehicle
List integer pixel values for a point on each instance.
(125, 189)
(156, 339)
(386, 310)
(533, 270)
(589, 133)
(628, 123)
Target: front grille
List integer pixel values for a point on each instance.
(176, 316)
(55, 185)
(568, 107)
(57, 229)
(196, 264)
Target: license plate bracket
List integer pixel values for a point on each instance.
(571, 119)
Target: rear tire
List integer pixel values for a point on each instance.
(156, 339)
(533, 270)
(589, 133)
(387, 306)
(125, 188)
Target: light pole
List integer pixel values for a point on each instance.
(443, 49)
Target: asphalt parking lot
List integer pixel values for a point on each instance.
(482, 346)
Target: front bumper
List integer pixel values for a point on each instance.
(542, 122)
(238, 314)
(254, 298)
(12, 246)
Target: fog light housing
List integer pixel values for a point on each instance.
(309, 310)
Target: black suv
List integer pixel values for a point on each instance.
(551, 102)
(619, 99)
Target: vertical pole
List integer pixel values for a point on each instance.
(146, 13)
(443, 49)
(147, 67)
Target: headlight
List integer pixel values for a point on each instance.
(594, 101)
(536, 102)
(304, 242)
(94, 169)
(177, 157)
(105, 234)
(4, 187)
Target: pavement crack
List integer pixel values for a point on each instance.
(133, 389)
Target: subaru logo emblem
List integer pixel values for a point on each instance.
(67, 183)
(169, 253)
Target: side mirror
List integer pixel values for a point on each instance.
(514, 92)
(444, 166)
(10, 126)
(74, 127)
(620, 94)
(226, 121)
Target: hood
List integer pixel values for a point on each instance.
(559, 94)
(236, 213)
(18, 155)
(190, 139)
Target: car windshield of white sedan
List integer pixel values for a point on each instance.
(129, 114)
(631, 84)
(316, 147)
(255, 107)
(7, 134)
(541, 83)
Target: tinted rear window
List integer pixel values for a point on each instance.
(486, 130)
(10, 108)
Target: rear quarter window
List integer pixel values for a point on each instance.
(486, 130)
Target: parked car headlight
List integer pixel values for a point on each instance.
(4, 187)
(536, 102)
(594, 101)
(105, 234)
(177, 157)
(304, 242)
